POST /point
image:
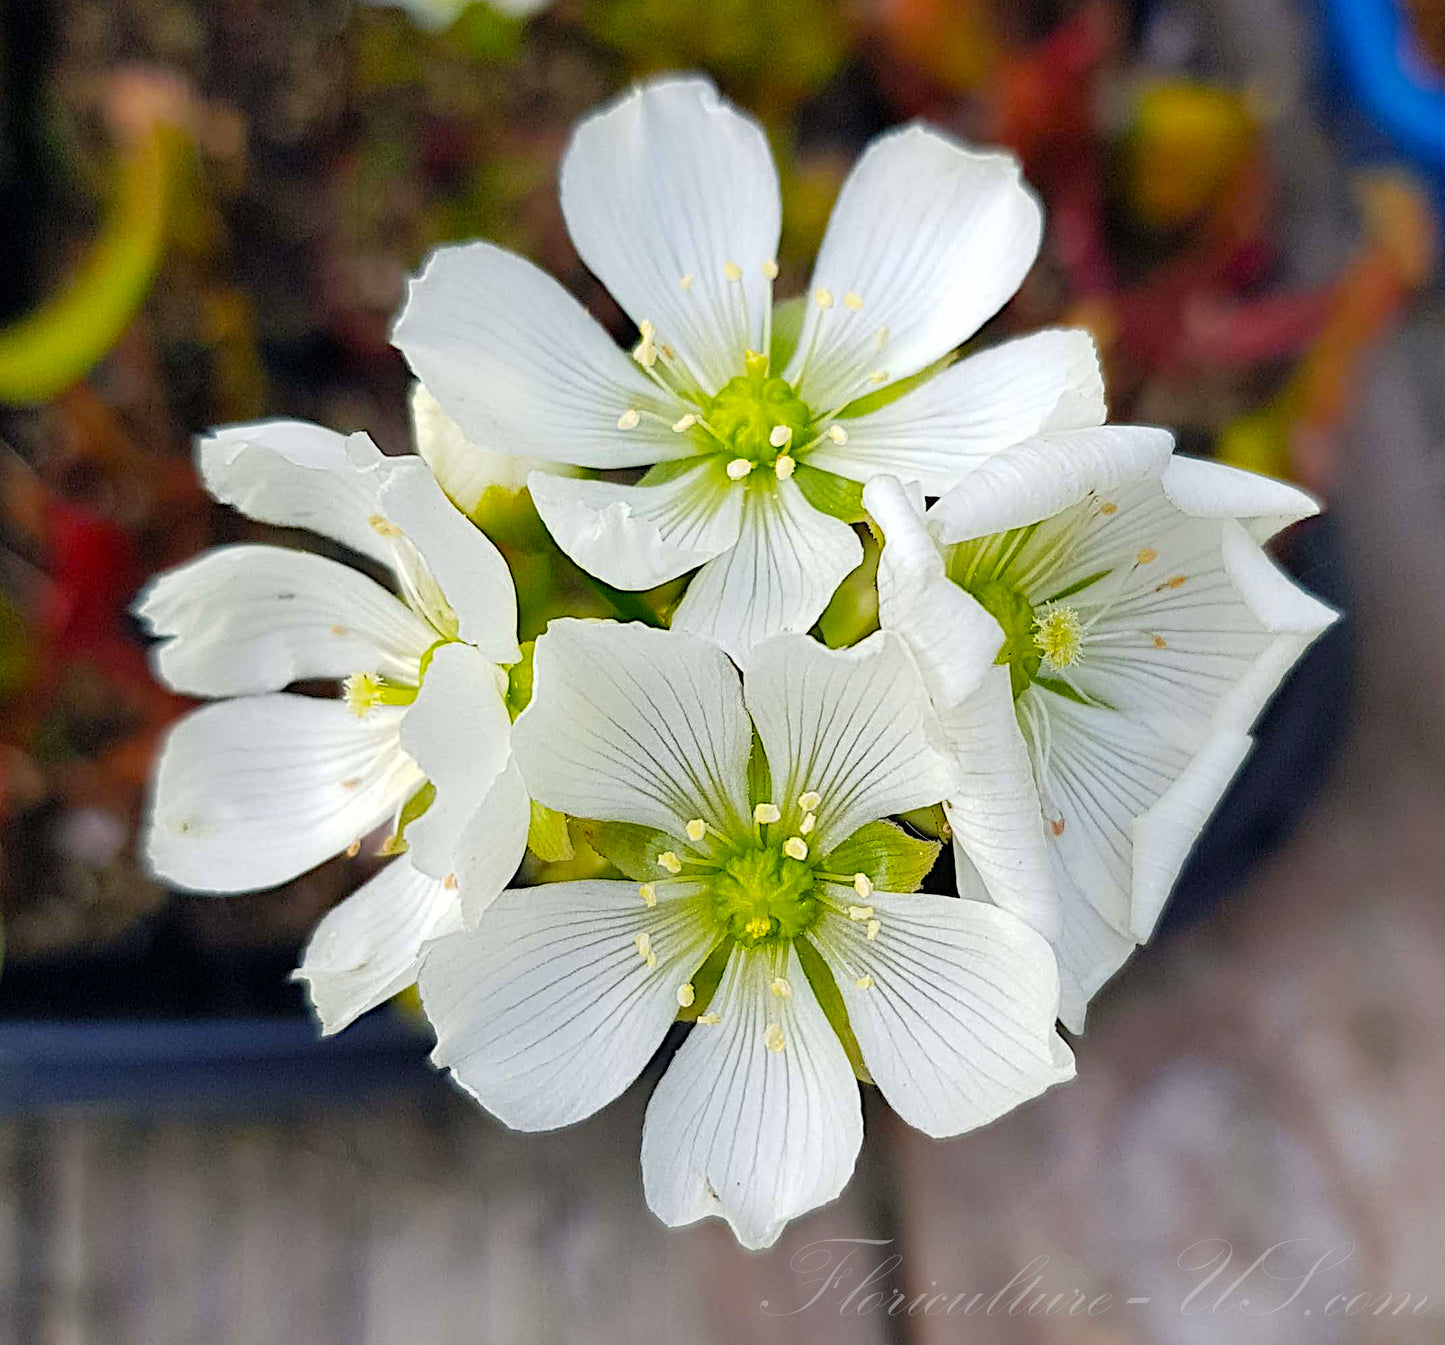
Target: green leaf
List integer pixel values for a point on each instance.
(831, 494)
(629, 847)
(547, 836)
(705, 981)
(893, 860)
(820, 977)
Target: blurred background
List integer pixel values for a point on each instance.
(208, 212)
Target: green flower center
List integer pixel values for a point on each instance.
(758, 418)
(761, 895)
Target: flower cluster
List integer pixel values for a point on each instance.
(1077, 634)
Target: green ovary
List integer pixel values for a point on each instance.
(762, 896)
(1014, 612)
(747, 410)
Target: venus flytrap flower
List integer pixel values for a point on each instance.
(1099, 627)
(255, 789)
(767, 903)
(761, 421)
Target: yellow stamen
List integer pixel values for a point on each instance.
(648, 893)
(686, 281)
(785, 467)
(739, 468)
(775, 1039)
(780, 987)
(733, 271)
(685, 995)
(628, 419)
(696, 829)
(860, 912)
(780, 435)
(1147, 556)
(837, 434)
(669, 861)
(810, 820)
(795, 847)
(709, 1019)
(823, 298)
(863, 885)
(770, 270)
(853, 301)
(807, 802)
(872, 931)
(684, 423)
(863, 982)
(767, 812)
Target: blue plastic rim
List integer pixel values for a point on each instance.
(1389, 78)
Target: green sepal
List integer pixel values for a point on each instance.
(893, 860)
(519, 681)
(830, 1000)
(760, 776)
(787, 328)
(874, 400)
(1062, 688)
(547, 836)
(629, 847)
(831, 494)
(660, 473)
(1077, 587)
(705, 981)
(931, 821)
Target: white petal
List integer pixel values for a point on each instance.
(940, 432)
(244, 619)
(492, 844)
(249, 793)
(1103, 771)
(1196, 639)
(1090, 951)
(1165, 834)
(459, 733)
(753, 1135)
(459, 556)
(635, 725)
(1214, 490)
(640, 536)
(298, 476)
(847, 724)
(957, 1025)
(465, 470)
(1044, 476)
(546, 1011)
(994, 808)
(669, 181)
(516, 360)
(366, 949)
(779, 577)
(933, 239)
(952, 638)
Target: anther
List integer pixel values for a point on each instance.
(696, 829)
(1108, 507)
(810, 820)
(353, 849)
(686, 281)
(380, 525)
(770, 270)
(709, 1019)
(878, 376)
(872, 931)
(863, 885)
(1160, 642)
(767, 812)
(628, 419)
(739, 468)
(1147, 556)
(780, 436)
(732, 271)
(646, 352)
(880, 338)
(450, 882)
(795, 847)
(684, 423)
(823, 298)
(860, 912)
(853, 301)
(648, 893)
(1177, 581)
(669, 861)
(837, 433)
(774, 1038)
(780, 987)
(785, 466)
(863, 982)
(685, 995)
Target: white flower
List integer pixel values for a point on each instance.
(253, 790)
(757, 421)
(439, 14)
(754, 906)
(1143, 628)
